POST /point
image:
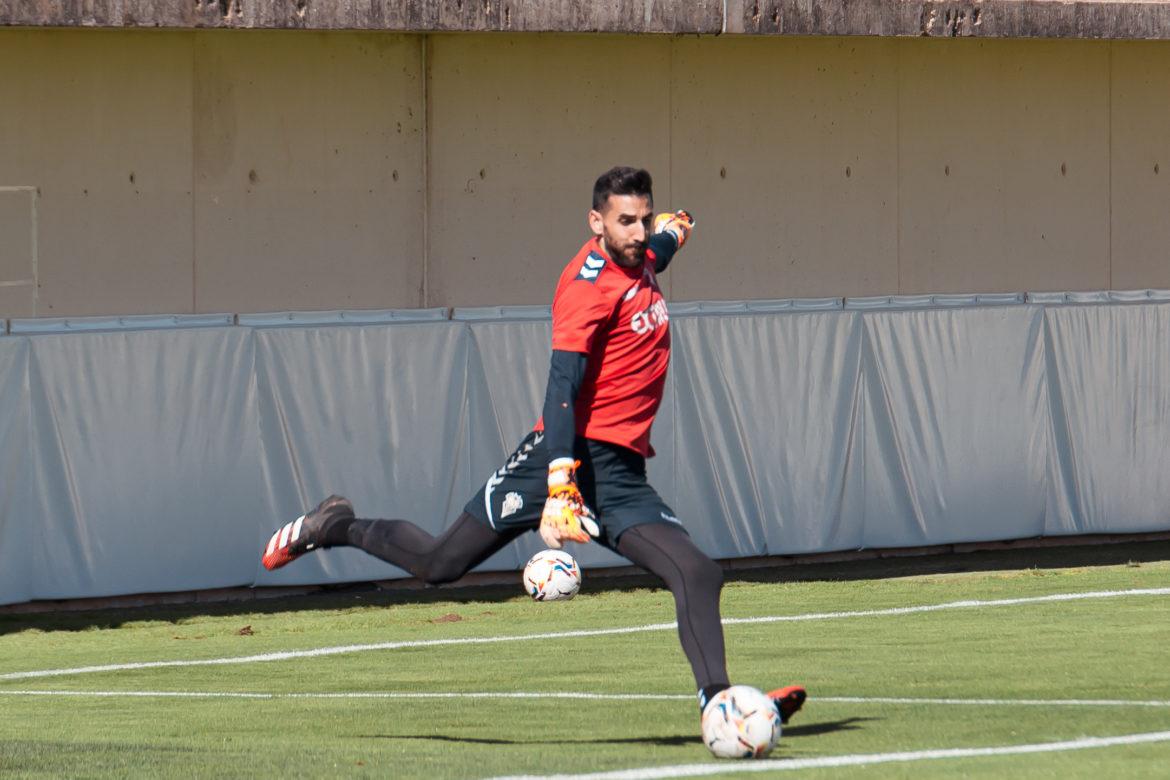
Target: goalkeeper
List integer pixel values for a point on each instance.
(581, 473)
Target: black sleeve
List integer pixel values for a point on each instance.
(663, 247)
(565, 375)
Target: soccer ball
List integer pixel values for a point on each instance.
(741, 722)
(552, 575)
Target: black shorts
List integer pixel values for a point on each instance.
(612, 480)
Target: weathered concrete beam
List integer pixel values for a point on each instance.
(632, 16)
(1116, 19)
(1144, 19)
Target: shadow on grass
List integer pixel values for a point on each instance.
(827, 727)
(370, 594)
(669, 740)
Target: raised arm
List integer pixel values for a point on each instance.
(670, 233)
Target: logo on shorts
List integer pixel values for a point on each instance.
(497, 477)
(513, 503)
(669, 518)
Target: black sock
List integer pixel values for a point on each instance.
(708, 693)
(337, 532)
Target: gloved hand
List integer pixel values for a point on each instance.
(679, 224)
(565, 514)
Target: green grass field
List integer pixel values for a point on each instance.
(1115, 648)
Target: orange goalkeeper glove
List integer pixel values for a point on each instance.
(565, 514)
(679, 224)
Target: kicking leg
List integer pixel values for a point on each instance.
(476, 534)
(463, 546)
(460, 548)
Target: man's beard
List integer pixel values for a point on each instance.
(630, 255)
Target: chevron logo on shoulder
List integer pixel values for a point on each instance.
(592, 267)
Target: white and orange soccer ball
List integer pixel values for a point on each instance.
(741, 722)
(552, 575)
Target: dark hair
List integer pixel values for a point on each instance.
(621, 180)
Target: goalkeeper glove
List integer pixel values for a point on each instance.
(565, 514)
(679, 225)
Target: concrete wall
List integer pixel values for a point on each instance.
(1092, 19)
(201, 171)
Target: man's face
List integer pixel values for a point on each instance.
(623, 224)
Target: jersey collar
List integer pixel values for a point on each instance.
(594, 245)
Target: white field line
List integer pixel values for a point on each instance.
(862, 759)
(323, 651)
(583, 695)
(369, 695)
(995, 702)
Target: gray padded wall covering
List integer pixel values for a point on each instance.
(15, 485)
(956, 426)
(1109, 386)
(161, 460)
(767, 420)
(378, 414)
(146, 462)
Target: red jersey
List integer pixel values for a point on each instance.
(617, 317)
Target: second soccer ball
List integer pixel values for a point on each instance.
(552, 575)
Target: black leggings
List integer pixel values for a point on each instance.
(434, 560)
(695, 581)
(662, 549)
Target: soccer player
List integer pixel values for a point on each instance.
(581, 473)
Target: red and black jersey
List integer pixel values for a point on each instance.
(617, 317)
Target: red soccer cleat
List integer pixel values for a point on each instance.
(306, 533)
(788, 700)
